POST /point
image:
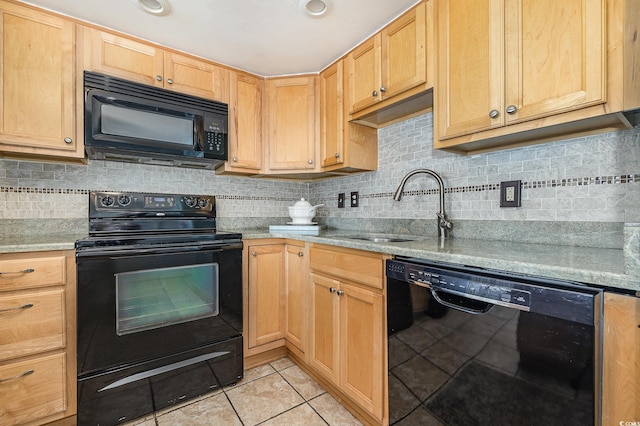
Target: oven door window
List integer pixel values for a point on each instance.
(154, 298)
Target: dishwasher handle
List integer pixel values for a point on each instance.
(486, 306)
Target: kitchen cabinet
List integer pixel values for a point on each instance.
(621, 359)
(292, 126)
(345, 147)
(393, 65)
(512, 71)
(37, 337)
(296, 284)
(347, 333)
(37, 96)
(245, 125)
(265, 296)
(146, 63)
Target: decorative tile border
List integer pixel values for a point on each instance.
(44, 190)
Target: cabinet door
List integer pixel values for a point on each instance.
(125, 58)
(188, 75)
(292, 123)
(332, 115)
(404, 53)
(266, 294)
(362, 347)
(37, 104)
(296, 289)
(365, 74)
(245, 123)
(325, 327)
(621, 360)
(470, 71)
(555, 56)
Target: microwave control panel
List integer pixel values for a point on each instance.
(215, 136)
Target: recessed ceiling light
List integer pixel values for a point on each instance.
(154, 7)
(314, 8)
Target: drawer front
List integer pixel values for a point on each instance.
(364, 268)
(16, 274)
(31, 323)
(32, 389)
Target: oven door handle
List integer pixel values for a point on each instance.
(149, 251)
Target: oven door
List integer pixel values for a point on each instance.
(139, 305)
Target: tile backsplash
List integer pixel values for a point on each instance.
(587, 179)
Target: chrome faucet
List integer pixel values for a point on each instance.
(444, 225)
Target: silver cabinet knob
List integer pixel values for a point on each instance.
(340, 292)
(494, 113)
(374, 93)
(337, 155)
(68, 140)
(235, 159)
(170, 81)
(159, 77)
(300, 254)
(383, 89)
(332, 289)
(511, 109)
(310, 161)
(255, 253)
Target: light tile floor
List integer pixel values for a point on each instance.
(278, 393)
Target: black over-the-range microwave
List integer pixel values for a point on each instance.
(127, 121)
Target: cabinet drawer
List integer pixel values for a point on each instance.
(32, 389)
(362, 267)
(17, 274)
(31, 323)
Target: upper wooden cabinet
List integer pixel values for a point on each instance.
(510, 70)
(37, 96)
(392, 66)
(145, 63)
(344, 146)
(245, 125)
(292, 124)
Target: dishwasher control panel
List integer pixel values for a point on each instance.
(477, 287)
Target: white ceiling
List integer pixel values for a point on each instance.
(265, 37)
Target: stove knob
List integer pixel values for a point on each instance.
(107, 201)
(202, 202)
(124, 200)
(190, 201)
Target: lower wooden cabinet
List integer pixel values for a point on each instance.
(347, 342)
(621, 360)
(37, 337)
(296, 285)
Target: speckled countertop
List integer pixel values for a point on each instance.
(599, 266)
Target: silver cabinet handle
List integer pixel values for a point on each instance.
(494, 113)
(511, 109)
(255, 253)
(310, 161)
(159, 77)
(374, 93)
(332, 289)
(19, 376)
(340, 292)
(337, 155)
(383, 89)
(300, 254)
(68, 140)
(25, 306)
(235, 159)
(24, 271)
(170, 81)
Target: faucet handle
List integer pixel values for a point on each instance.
(443, 222)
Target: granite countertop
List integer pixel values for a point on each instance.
(600, 266)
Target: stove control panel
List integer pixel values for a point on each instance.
(108, 204)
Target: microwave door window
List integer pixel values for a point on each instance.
(144, 125)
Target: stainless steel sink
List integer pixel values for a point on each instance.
(380, 239)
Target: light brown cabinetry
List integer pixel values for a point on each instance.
(391, 66)
(145, 63)
(345, 146)
(37, 96)
(292, 124)
(347, 334)
(509, 70)
(296, 285)
(246, 132)
(621, 359)
(265, 295)
(37, 337)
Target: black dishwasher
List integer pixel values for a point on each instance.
(472, 346)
